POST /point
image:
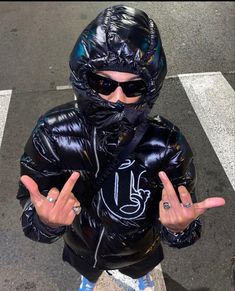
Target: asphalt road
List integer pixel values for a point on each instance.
(36, 40)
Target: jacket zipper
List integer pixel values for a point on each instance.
(97, 171)
(95, 151)
(97, 247)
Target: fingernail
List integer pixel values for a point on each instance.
(54, 190)
(162, 175)
(75, 175)
(22, 178)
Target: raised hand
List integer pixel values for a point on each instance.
(58, 208)
(176, 216)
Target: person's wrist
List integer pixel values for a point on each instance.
(176, 231)
(48, 224)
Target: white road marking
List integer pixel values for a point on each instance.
(66, 87)
(213, 100)
(5, 97)
(121, 282)
(129, 283)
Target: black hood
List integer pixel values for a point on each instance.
(121, 39)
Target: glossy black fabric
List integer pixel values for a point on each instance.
(120, 38)
(62, 142)
(134, 271)
(84, 136)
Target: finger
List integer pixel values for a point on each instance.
(32, 186)
(77, 203)
(53, 194)
(161, 209)
(70, 217)
(164, 195)
(165, 199)
(167, 217)
(76, 208)
(185, 196)
(70, 212)
(164, 214)
(210, 203)
(172, 197)
(68, 186)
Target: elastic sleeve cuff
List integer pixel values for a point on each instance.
(182, 239)
(47, 230)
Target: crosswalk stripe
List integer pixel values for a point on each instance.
(5, 97)
(66, 87)
(213, 100)
(121, 282)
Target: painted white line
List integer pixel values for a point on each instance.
(121, 282)
(199, 74)
(171, 77)
(5, 97)
(66, 87)
(213, 100)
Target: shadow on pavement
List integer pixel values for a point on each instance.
(172, 285)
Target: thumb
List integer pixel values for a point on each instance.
(32, 186)
(208, 203)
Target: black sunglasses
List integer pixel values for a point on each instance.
(106, 86)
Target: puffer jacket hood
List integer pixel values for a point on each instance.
(122, 39)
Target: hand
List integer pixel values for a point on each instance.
(178, 217)
(60, 211)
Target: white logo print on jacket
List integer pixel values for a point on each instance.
(123, 193)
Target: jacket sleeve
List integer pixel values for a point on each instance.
(39, 161)
(179, 166)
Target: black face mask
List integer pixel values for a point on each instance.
(116, 129)
(115, 118)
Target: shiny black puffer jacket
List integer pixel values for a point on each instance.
(118, 224)
(63, 142)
